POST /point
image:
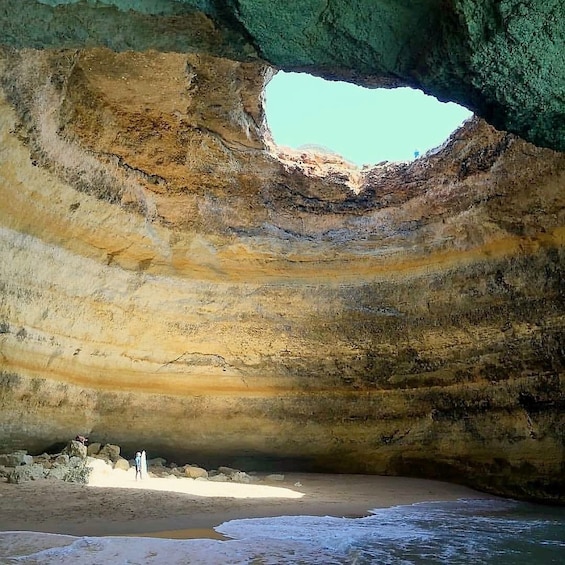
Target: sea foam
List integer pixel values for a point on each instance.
(471, 531)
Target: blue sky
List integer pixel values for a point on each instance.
(363, 125)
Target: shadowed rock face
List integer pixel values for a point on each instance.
(501, 59)
(169, 280)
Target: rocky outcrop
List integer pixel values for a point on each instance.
(168, 281)
(70, 465)
(503, 60)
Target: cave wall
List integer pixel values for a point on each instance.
(168, 282)
(171, 280)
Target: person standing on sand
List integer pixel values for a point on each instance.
(138, 465)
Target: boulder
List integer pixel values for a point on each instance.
(75, 449)
(160, 471)
(109, 452)
(122, 463)
(241, 477)
(76, 471)
(228, 471)
(274, 477)
(62, 459)
(195, 472)
(44, 459)
(59, 472)
(24, 473)
(69, 466)
(93, 448)
(15, 458)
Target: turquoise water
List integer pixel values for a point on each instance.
(489, 531)
(477, 531)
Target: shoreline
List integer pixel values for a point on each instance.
(115, 505)
(192, 533)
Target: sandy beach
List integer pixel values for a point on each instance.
(115, 504)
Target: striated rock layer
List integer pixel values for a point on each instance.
(171, 281)
(168, 282)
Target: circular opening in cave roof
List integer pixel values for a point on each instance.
(364, 126)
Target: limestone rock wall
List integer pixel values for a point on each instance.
(167, 282)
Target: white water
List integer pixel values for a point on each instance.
(478, 532)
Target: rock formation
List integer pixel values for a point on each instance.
(71, 465)
(172, 281)
(502, 59)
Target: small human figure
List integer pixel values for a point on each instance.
(138, 465)
(416, 154)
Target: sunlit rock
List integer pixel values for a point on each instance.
(171, 281)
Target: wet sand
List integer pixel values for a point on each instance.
(115, 504)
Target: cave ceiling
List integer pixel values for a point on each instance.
(501, 59)
(171, 279)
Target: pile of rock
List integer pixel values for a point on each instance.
(159, 467)
(74, 464)
(110, 453)
(70, 465)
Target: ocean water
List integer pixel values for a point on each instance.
(467, 531)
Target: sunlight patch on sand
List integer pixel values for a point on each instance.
(104, 476)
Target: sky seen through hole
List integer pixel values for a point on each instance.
(365, 126)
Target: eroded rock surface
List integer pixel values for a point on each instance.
(167, 281)
(501, 59)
